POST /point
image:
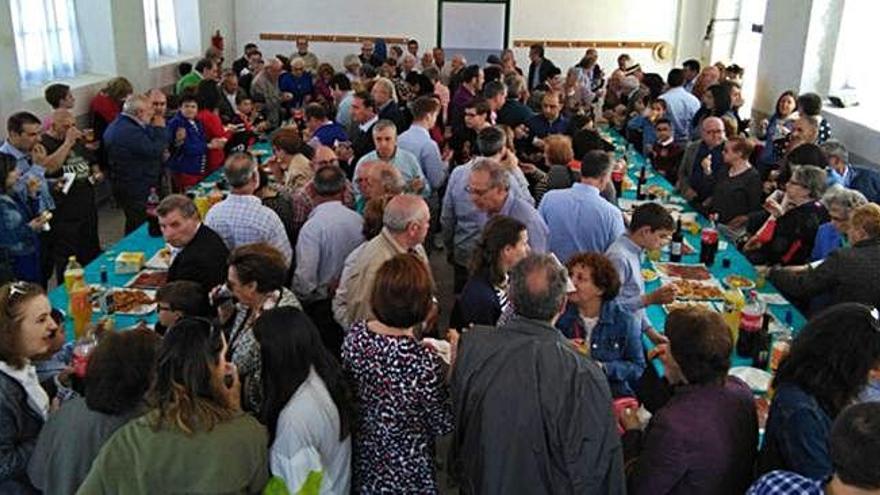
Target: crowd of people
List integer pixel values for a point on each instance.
(298, 344)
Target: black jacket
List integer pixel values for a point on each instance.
(543, 67)
(532, 415)
(227, 110)
(19, 427)
(849, 275)
(203, 260)
(392, 112)
(362, 143)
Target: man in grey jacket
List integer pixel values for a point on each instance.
(532, 413)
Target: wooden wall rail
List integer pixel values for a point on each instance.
(330, 38)
(648, 45)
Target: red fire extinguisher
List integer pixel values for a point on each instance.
(217, 40)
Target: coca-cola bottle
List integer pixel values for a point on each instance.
(750, 324)
(709, 242)
(81, 352)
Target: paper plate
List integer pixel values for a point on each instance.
(757, 380)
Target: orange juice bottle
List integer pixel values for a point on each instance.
(72, 273)
(80, 308)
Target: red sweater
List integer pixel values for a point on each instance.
(213, 129)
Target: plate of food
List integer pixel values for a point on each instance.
(687, 271)
(738, 282)
(135, 302)
(649, 275)
(657, 191)
(161, 260)
(148, 279)
(697, 291)
(689, 304)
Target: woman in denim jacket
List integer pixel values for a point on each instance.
(18, 226)
(599, 326)
(832, 360)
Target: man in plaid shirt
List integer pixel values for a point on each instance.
(241, 218)
(855, 454)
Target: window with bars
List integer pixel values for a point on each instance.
(161, 29)
(47, 42)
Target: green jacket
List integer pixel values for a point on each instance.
(232, 458)
(191, 79)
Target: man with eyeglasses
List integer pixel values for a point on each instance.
(702, 164)
(489, 189)
(305, 199)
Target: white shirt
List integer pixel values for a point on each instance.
(307, 441)
(37, 398)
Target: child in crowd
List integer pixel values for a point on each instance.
(665, 153)
(650, 229)
(249, 114)
(644, 124)
(189, 146)
(180, 299)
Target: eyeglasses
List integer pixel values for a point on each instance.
(796, 183)
(476, 192)
(470, 114)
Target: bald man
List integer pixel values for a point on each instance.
(73, 169)
(702, 164)
(306, 198)
(265, 85)
(405, 225)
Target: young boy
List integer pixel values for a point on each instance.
(650, 229)
(189, 145)
(645, 123)
(180, 299)
(248, 114)
(665, 153)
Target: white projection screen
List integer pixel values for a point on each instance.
(473, 29)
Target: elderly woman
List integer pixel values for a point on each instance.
(848, 274)
(195, 438)
(117, 378)
(505, 241)
(257, 277)
(705, 438)
(840, 203)
(26, 331)
(831, 361)
(402, 399)
(788, 234)
(599, 326)
(289, 163)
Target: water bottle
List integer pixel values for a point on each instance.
(152, 217)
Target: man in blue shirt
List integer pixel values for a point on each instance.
(489, 188)
(417, 140)
(23, 144)
(680, 105)
(862, 179)
(580, 219)
(651, 228)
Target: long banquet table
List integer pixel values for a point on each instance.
(139, 240)
(739, 264)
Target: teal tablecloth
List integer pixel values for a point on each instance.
(739, 265)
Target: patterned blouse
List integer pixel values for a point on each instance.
(403, 403)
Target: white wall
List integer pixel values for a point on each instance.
(403, 18)
(114, 42)
(625, 20)
(613, 20)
